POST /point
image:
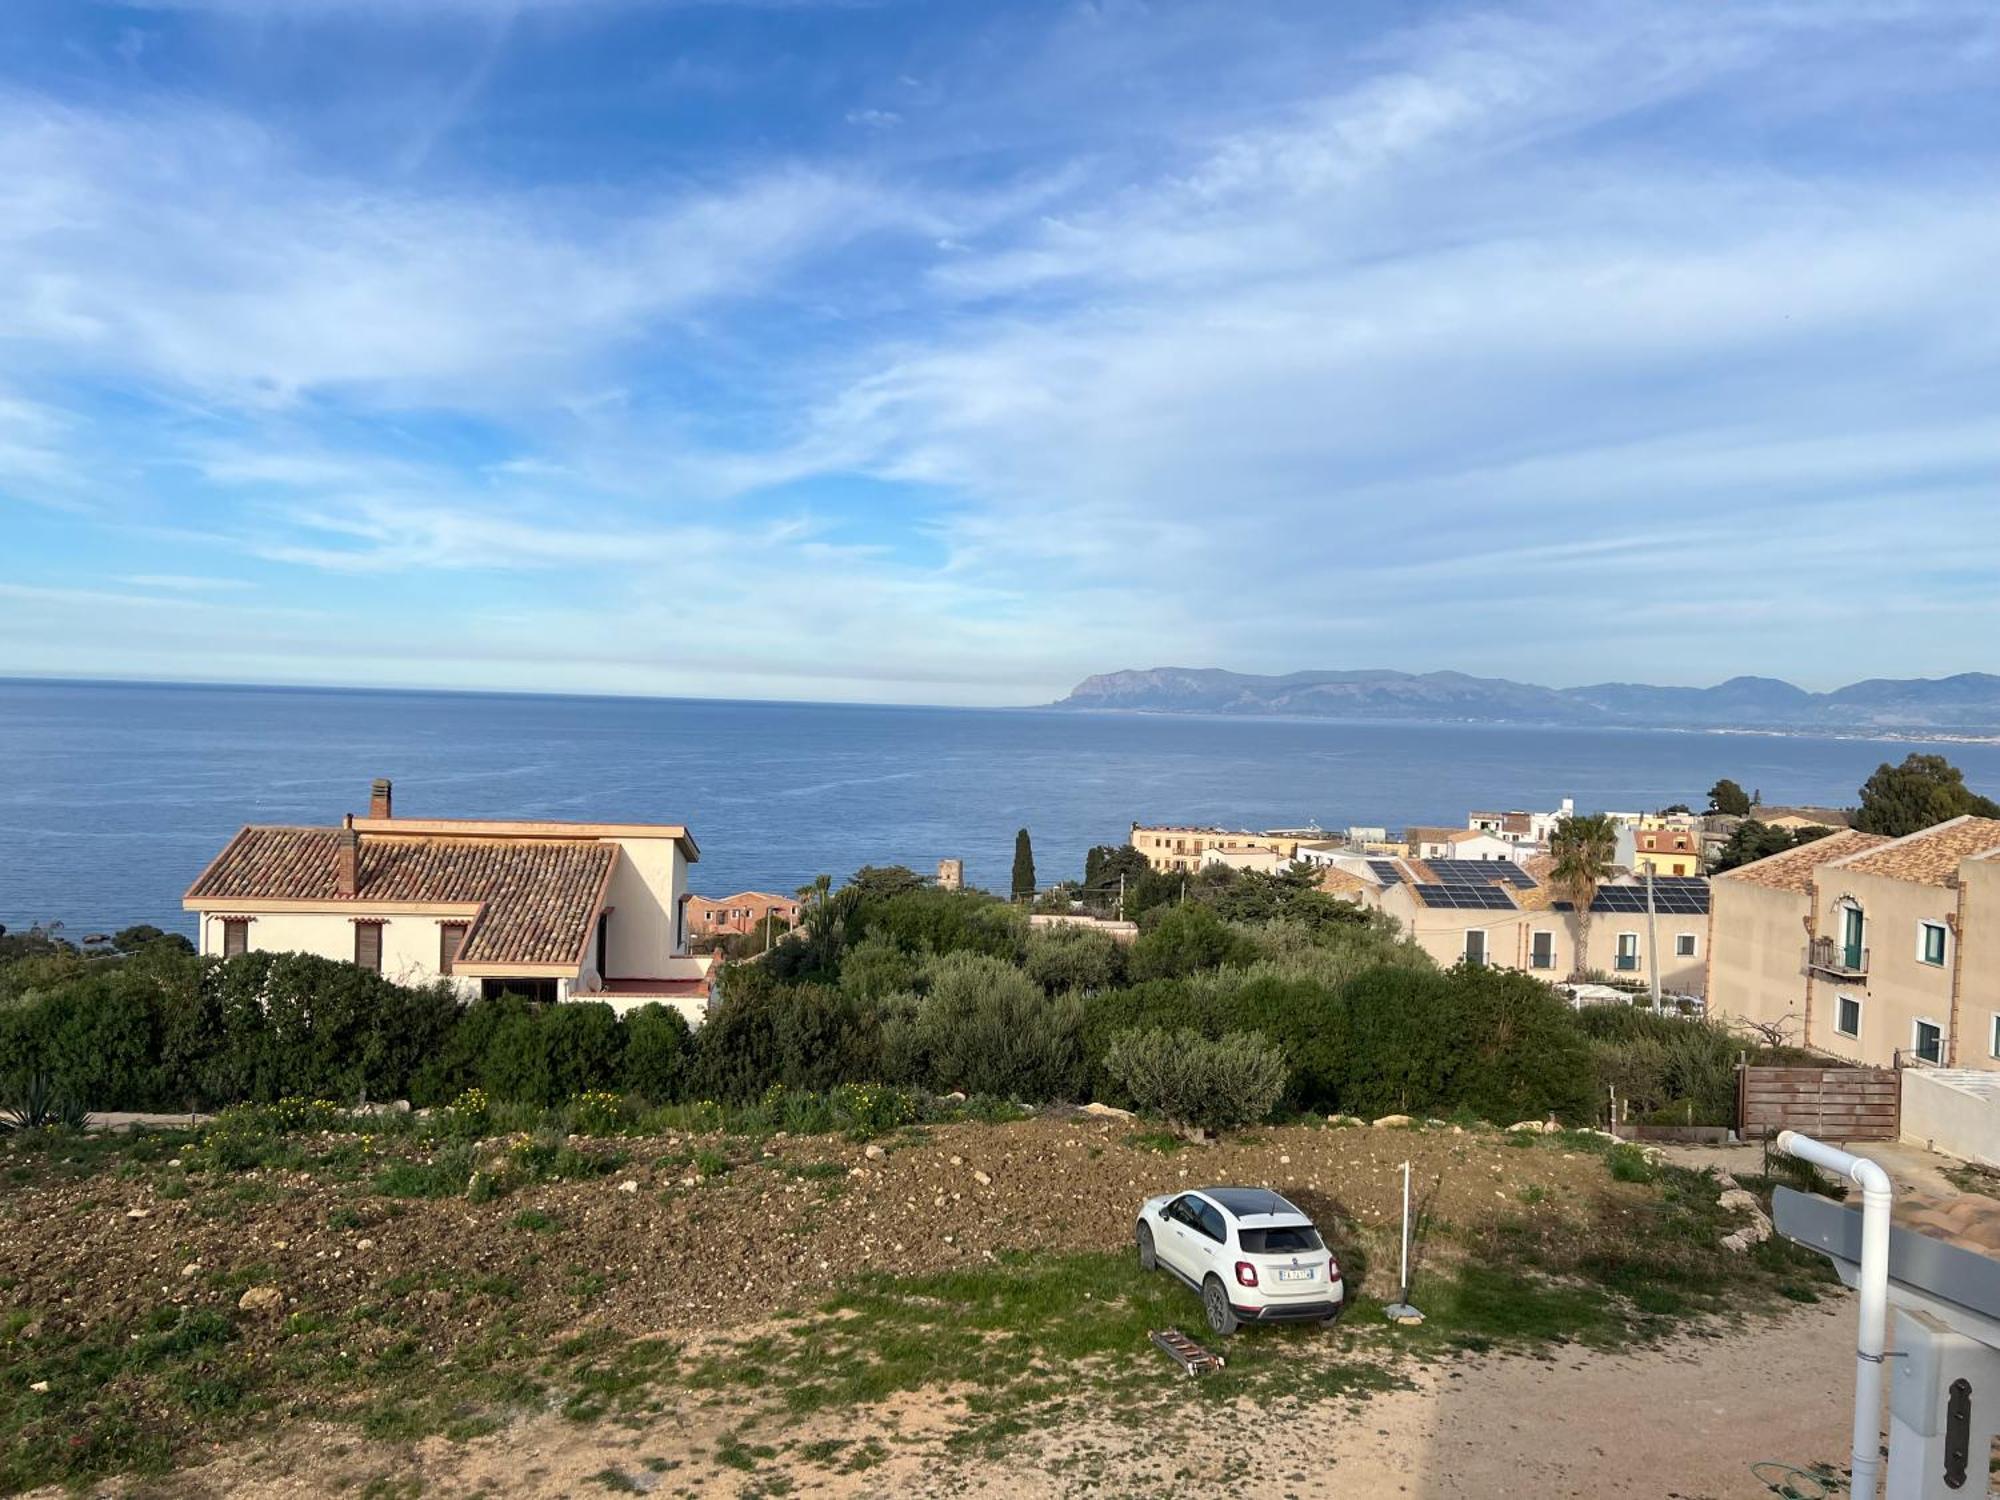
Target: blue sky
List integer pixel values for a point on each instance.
(949, 352)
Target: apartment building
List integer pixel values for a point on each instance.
(1868, 948)
(1666, 850)
(1179, 848)
(746, 911)
(1507, 914)
(1462, 843)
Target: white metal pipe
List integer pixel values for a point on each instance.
(1877, 1198)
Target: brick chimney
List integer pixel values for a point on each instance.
(347, 860)
(380, 800)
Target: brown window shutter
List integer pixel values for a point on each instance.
(368, 946)
(451, 937)
(235, 938)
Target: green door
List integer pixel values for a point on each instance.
(1850, 938)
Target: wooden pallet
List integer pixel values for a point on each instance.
(1185, 1352)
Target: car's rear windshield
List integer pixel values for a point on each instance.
(1287, 1239)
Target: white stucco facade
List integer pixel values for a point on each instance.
(555, 911)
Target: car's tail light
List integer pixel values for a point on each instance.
(1246, 1273)
(1332, 1269)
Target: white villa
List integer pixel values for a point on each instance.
(552, 911)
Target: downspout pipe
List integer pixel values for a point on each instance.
(1877, 1198)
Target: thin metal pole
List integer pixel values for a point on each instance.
(1652, 937)
(1405, 1297)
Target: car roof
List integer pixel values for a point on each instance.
(1249, 1202)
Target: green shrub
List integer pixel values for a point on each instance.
(1629, 1164)
(878, 967)
(983, 1027)
(1194, 1080)
(869, 1109)
(1186, 939)
(596, 1112)
(514, 1065)
(468, 1117)
(931, 922)
(737, 1055)
(1066, 960)
(659, 1053)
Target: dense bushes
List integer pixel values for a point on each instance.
(897, 985)
(1194, 1080)
(168, 1031)
(983, 1027)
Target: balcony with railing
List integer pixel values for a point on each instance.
(1836, 959)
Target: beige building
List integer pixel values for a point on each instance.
(1261, 858)
(746, 911)
(1867, 948)
(1455, 912)
(1179, 847)
(1666, 851)
(552, 911)
(1461, 843)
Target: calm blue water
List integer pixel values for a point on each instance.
(113, 797)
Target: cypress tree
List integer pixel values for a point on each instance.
(1024, 867)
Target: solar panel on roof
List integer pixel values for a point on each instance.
(1465, 897)
(1687, 899)
(1481, 872)
(1386, 871)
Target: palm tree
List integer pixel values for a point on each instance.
(1583, 848)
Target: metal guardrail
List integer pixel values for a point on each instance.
(1826, 956)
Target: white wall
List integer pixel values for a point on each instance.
(645, 897)
(409, 941)
(1953, 1110)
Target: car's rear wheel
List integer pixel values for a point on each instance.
(1149, 1260)
(1215, 1302)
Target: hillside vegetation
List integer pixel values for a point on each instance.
(1309, 1002)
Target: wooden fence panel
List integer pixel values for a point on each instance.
(1830, 1104)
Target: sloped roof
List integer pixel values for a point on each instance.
(1338, 882)
(1536, 897)
(1931, 857)
(1792, 869)
(537, 897)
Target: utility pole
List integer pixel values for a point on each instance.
(1652, 937)
(1121, 895)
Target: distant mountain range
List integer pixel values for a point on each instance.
(1968, 704)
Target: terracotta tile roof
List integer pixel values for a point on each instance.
(1338, 882)
(537, 896)
(1536, 897)
(1664, 841)
(1418, 834)
(1931, 857)
(1792, 869)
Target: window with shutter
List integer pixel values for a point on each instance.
(368, 946)
(451, 937)
(235, 937)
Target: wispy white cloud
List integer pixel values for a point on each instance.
(191, 249)
(1238, 336)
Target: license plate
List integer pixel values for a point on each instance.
(1306, 1274)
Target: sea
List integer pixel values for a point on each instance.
(113, 796)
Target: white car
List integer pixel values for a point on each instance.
(1252, 1256)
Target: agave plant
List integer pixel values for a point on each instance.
(35, 1103)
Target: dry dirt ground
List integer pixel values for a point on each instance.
(694, 1247)
(1687, 1420)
